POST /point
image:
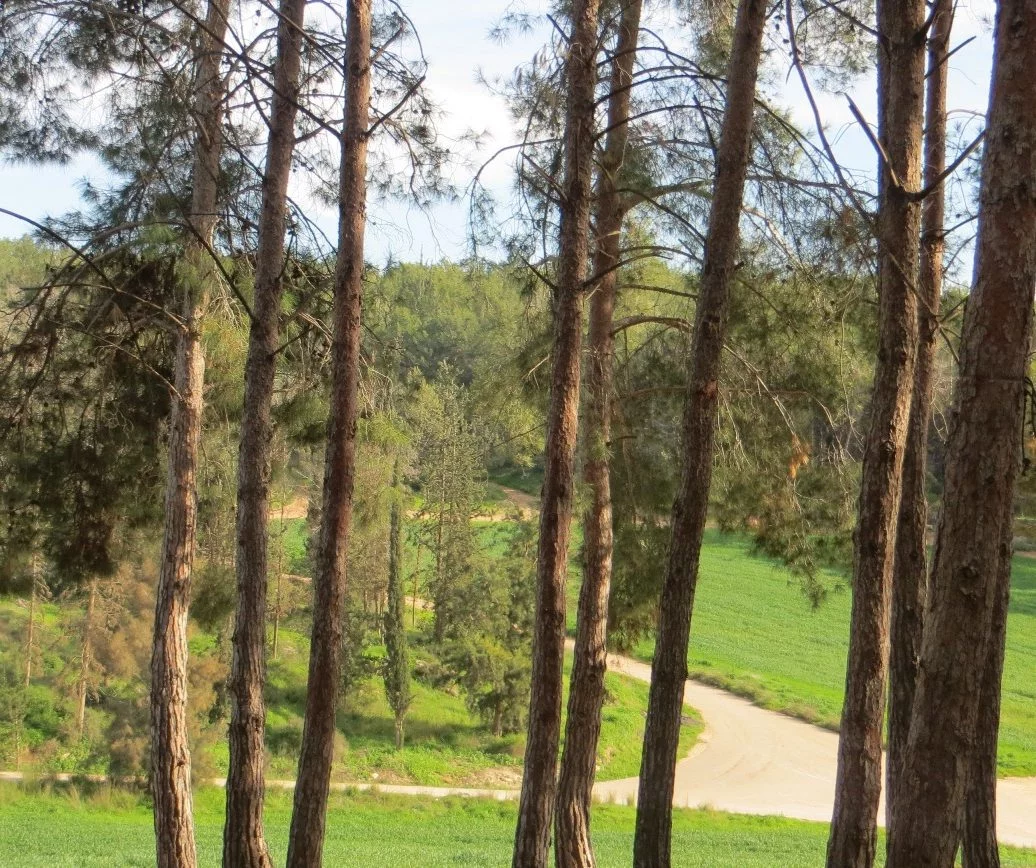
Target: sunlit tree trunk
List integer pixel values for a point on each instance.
(980, 847)
(85, 654)
(306, 840)
(170, 751)
(573, 846)
(910, 576)
(901, 91)
(970, 571)
(539, 778)
(243, 841)
(652, 841)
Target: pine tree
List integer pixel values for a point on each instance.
(652, 841)
(306, 841)
(397, 660)
(587, 692)
(243, 841)
(971, 566)
(539, 776)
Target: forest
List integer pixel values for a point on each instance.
(683, 515)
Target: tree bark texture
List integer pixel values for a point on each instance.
(651, 846)
(973, 542)
(244, 843)
(306, 841)
(980, 848)
(539, 777)
(573, 847)
(170, 751)
(910, 576)
(901, 86)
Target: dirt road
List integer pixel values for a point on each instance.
(753, 761)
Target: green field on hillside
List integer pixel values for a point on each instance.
(105, 829)
(754, 633)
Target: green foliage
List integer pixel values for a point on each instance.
(490, 657)
(82, 409)
(450, 452)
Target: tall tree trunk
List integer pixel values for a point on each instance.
(910, 576)
(901, 78)
(652, 841)
(170, 751)
(439, 595)
(85, 653)
(972, 548)
(979, 840)
(306, 842)
(539, 778)
(30, 629)
(277, 589)
(397, 661)
(243, 841)
(573, 847)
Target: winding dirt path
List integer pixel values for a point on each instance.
(753, 761)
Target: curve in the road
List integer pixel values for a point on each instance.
(753, 761)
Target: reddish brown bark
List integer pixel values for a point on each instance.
(651, 846)
(539, 777)
(170, 751)
(573, 847)
(901, 71)
(910, 576)
(980, 847)
(306, 842)
(972, 547)
(244, 843)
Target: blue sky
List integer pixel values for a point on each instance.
(455, 37)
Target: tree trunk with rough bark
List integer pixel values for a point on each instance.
(980, 848)
(973, 544)
(539, 777)
(901, 87)
(573, 847)
(170, 751)
(244, 843)
(306, 841)
(910, 575)
(85, 653)
(652, 841)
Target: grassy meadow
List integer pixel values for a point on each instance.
(75, 828)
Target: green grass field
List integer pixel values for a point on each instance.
(754, 633)
(114, 829)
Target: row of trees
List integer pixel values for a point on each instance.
(930, 769)
(674, 152)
